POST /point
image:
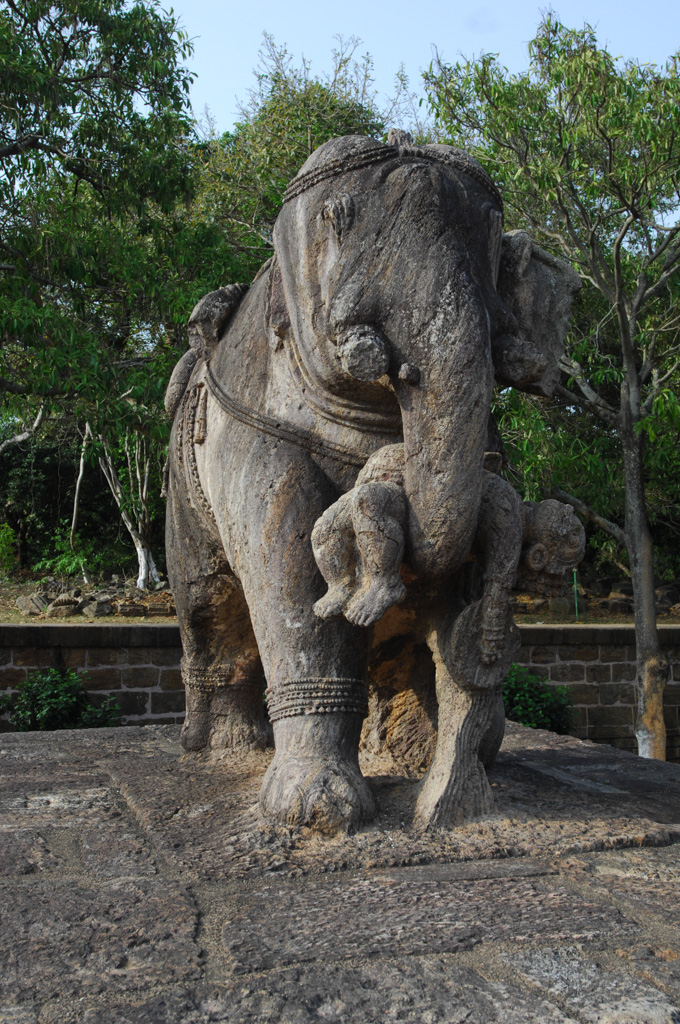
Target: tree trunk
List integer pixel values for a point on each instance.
(652, 664)
(145, 561)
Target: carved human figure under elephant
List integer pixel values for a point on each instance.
(371, 342)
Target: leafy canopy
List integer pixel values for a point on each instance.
(586, 149)
(94, 87)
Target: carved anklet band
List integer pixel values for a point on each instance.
(316, 696)
(207, 680)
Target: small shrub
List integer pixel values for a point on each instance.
(56, 700)
(7, 548)
(90, 556)
(530, 701)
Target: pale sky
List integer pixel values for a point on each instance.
(227, 36)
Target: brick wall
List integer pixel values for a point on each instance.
(597, 664)
(139, 665)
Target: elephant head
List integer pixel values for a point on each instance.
(383, 288)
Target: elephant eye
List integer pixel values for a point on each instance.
(339, 211)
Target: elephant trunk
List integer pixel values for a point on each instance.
(445, 420)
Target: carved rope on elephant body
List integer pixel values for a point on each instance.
(454, 158)
(191, 430)
(283, 431)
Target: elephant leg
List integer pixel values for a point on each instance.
(456, 788)
(499, 534)
(221, 667)
(315, 668)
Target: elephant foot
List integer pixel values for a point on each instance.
(456, 789)
(328, 795)
(333, 602)
(195, 734)
(471, 722)
(314, 779)
(225, 718)
(370, 605)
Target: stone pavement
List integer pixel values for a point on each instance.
(138, 888)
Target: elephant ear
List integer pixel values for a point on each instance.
(539, 290)
(278, 317)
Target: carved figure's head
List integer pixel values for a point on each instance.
(554, 544)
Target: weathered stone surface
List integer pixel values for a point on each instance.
(411, 990)
(26, 853)
(138, 888)
(69, 939)
(114, 853)
(32, 604)
(407, 914)
(597, 995)
(96, 609)
(42, 803)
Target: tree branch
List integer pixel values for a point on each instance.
(26, 433)
(588, 513)
(657, 385)
(671, 267)
(589, 397)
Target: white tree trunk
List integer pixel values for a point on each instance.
(145, 561)
(146, 564)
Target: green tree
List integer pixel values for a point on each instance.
(289, 114)
(92, 129)
(96, 148)
(586, 149)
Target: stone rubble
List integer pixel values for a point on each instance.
(58, 599)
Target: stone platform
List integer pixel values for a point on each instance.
(139, 888)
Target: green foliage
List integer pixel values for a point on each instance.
(586, 150)
(7, 548)
(37, 482)
(94, 89)
(530, 701)
(95, 159)
(583, 136)
(91, 555)
(56, 700)
(291, 112)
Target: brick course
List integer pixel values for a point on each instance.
(139, 665)
(605, 655)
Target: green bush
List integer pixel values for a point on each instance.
(530, 701)
(91, 556)
(56, 700)
(7, 547)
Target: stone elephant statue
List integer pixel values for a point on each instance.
(391, 306)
